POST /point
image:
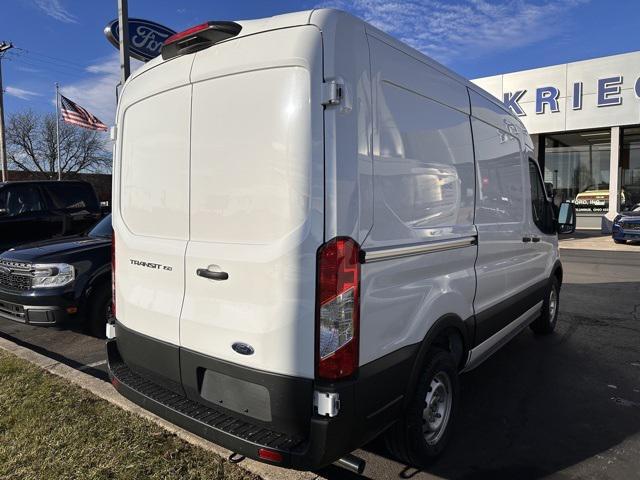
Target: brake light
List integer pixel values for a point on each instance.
(189, 31)
(337, 308)
(113, 274)
(199, 37)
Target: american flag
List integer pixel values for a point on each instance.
(74, 113)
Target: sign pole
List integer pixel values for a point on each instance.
(59, 163)
(123, 22)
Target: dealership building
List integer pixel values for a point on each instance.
(584, 119)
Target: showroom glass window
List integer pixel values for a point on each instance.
(630, 168)
(577, 164)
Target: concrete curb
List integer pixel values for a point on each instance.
(105, 391)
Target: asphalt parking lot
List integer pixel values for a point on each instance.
(566, 406)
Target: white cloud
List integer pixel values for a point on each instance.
(55, 9)
(97, 91)
(446, 30)
(21, 93)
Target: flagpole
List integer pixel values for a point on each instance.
(59, 163)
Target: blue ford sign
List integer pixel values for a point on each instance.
(145, 37)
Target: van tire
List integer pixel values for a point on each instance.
(99, 303)
(619, 241)
(548, 319)
(406, 439)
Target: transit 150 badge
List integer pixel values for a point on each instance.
(145, 37)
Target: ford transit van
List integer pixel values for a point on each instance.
(316, 230)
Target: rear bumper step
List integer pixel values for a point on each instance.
(215, 425)
(368, 404)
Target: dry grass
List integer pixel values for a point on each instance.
(51, 429)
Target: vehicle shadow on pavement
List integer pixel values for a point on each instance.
(543, 404)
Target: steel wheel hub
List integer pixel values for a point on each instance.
(435, 416)
(553, 303)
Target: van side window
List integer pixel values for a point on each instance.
(500, 196)
(541, 209)
(425, 160)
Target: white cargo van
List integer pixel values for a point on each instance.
(317, 228)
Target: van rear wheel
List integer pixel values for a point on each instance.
(548, 319)
(422, 433)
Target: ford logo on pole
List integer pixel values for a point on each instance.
(145, 37)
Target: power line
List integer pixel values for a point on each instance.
(42, 72)
(33, 52)
(47, 62)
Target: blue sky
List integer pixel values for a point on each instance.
(62, 40)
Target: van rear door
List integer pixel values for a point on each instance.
(256, 204)
(151, 216)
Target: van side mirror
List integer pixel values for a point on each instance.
(566, 218)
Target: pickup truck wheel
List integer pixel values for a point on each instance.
(548, 319)
(619, 241)
(424, 430)
(99, 311)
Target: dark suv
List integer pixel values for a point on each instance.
(47, 282)
(38, 210)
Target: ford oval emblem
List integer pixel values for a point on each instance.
(145, 37)
(242, 348)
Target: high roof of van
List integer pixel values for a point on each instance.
(327, 19)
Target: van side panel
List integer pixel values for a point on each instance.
(423, 194)
(256, 203)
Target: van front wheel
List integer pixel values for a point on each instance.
(424, 430)
(546, 323)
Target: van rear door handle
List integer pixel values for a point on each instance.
(535, 239)
(206, 273)
(526, 239)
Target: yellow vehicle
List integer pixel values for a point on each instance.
(596, 199)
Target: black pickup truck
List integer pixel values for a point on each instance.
(47, 282)
(38, 210)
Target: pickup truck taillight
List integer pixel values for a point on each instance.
(337, 308)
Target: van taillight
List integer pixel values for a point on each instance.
(113, 274)
(337, 308)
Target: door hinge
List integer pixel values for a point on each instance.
(332, 93)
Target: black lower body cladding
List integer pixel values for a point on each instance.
(265, 410)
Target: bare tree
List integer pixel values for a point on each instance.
(31, 146)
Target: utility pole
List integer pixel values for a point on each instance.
(4, 46)
(123, 26)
